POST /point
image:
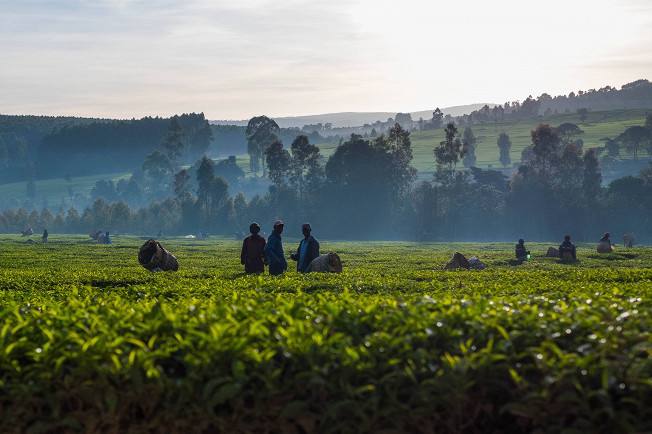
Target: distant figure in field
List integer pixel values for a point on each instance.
(45, 236)
(521, 252)
(458, 261)
(628, 241)
(253, 251)
(567, 250)
(27, 232)
(104, 238)
(274, 251)
(552, 253)
(307, 251)
(605, 246)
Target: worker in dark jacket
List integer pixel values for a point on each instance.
(307, 251)
(520, 251)
(253, 248)
(274, 251)
(567, 249)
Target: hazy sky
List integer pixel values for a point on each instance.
(238, 58)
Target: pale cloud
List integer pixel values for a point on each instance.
(234, 59)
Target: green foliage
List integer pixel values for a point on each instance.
(261, 132)
(504, 146)
(450, 150)
(91, 342)
(597, 126)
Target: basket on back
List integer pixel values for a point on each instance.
(154, 257)
(552, 253)
(328, 263)
(458, 261)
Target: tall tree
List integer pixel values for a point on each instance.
(173, 144)
(205, 176)
(504, 146)
(304, 165)
(546, 146)
(592, 182)
(437, 118)
(261, 132)
(212, 195)
(278, 162)
(633, 138)
(399, 147)
(449, 152)
(468, 147)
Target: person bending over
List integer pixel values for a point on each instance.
(567, 249)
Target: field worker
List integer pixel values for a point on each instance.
(628, 240)
(567, 249)
(274, 251)
(604, 245)
(45, 236)
(307, 251)
(520, 250)
(253, 251)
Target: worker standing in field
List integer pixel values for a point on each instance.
(274, 251)
(45, 236)
(253, 251)
(307, 251)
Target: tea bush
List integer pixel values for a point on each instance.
(91, 342)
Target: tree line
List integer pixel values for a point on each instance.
(41, 147)
(366, 190)
(634, 95)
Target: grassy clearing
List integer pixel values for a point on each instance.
(597, 126)
(55, 191)
(91, 342)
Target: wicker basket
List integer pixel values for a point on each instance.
(154, 257)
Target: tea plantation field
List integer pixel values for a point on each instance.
(92, 343)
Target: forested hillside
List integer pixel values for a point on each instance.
(21, 137)
(117, 146)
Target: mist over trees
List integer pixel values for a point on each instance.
(366, 190)
(119, 145)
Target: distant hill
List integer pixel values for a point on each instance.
(355, 119)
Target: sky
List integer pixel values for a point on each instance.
(240, 58)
